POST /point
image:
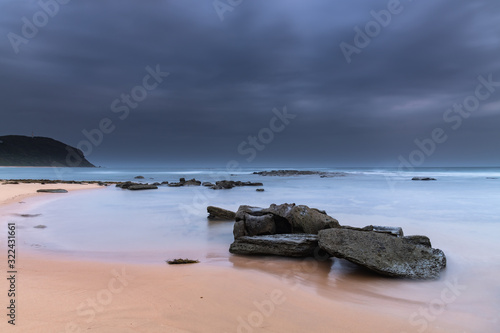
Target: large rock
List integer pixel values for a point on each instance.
(383, 253)
(290, 218)
(216, 213)
(289, 245)
(302, 218)
(260, 225)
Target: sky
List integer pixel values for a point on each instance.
(256, 82)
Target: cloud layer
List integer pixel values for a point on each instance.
(226, 77)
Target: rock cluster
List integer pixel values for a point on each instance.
(184, 182)
(299, 231)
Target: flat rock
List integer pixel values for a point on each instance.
(382, 253)
(288, 245)
(142, 187)
(288, 173)
(52, 191)
(216, 213)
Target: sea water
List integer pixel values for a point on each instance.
(113, 221)
(460, 212)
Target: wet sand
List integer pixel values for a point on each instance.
(57, 294)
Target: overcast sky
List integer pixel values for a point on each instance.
(361, 80)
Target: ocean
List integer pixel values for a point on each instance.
(459, 212)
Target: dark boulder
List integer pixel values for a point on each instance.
(288, 245)
(383, 253)
(260, 225)
(216, 213)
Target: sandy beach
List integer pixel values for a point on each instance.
(57, 294)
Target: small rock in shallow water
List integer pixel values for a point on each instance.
(53, 191)
(216, 213)
(182, 261)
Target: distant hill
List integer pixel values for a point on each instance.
(17, 150)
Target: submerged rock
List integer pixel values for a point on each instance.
(216, 213)
(423, 178)
(288, 245)
(382, 253)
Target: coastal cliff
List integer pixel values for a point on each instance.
(17, 150)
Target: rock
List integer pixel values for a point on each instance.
(418, 240)
(126, 185)
(192, 182)
(208, 184)
(244, 209)
(40, 226)
(289, 245)
(183, 182)
(423, 178)
(302, 218)
(182, 261)
(288, 218)
(382, 253)
(228, 184)
(260, 225)
(285, 173)
(139, 177)
(142, 187)
(216, 213)
(239, 229)
(394, 231)
(223, 185)
(52, 191)
(164, 183)
(260, 190)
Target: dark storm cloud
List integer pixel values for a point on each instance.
(226, 77)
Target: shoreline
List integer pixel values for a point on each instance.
(58, 294)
